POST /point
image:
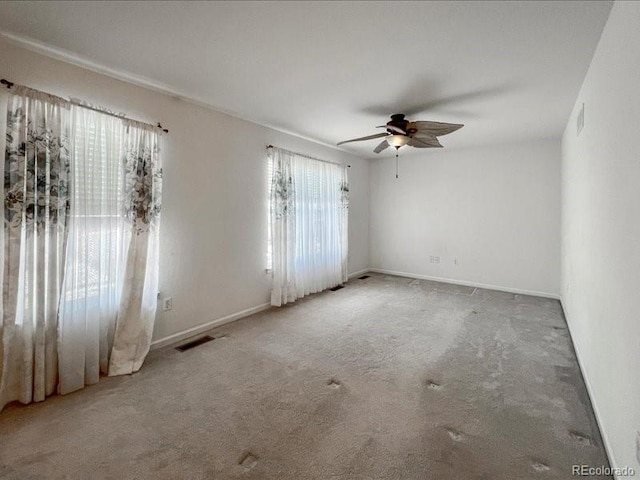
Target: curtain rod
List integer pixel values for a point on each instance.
(307, 156)
(9, 85)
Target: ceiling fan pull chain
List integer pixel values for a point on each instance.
(396, 163)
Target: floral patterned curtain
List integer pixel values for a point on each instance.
(283, 226)
(142, 203)
(309, 225)
(82, 215)
(35, 228)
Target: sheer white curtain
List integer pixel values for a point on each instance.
(36, 207)
(82, 211)
(111, 280)
(96, 249)
(308, 225)
(142, 205)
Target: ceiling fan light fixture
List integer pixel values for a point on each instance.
(398, 140)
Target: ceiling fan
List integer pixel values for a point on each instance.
(401, 132)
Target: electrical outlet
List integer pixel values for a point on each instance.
(434, 259)
(455, 262)
(167, 303)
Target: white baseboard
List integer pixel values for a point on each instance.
(359, 273)
(176, 337)
(603, 433)
(467, 284)
(191, 332)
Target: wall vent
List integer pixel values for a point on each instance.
(580, 120)
(334, 289)
(195, 343)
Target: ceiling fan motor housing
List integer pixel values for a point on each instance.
(398, 121)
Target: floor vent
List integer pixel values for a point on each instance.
(364, 276)
(336, 288)
(195, 343)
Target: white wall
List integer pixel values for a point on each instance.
(601, 232)
(213, 233)
(494, 209)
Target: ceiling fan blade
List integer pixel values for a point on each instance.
(370, 137)
(435, 128)
(424, 142)
(424, 136)
(384, 144)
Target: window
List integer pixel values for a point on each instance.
(98, 237)
(307, 236)
(83, 204)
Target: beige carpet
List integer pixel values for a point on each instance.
(388, 378)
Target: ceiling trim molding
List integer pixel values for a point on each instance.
(141, 81)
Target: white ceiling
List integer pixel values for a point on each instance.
(330, 71)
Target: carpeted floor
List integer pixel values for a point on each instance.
(388, 378)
